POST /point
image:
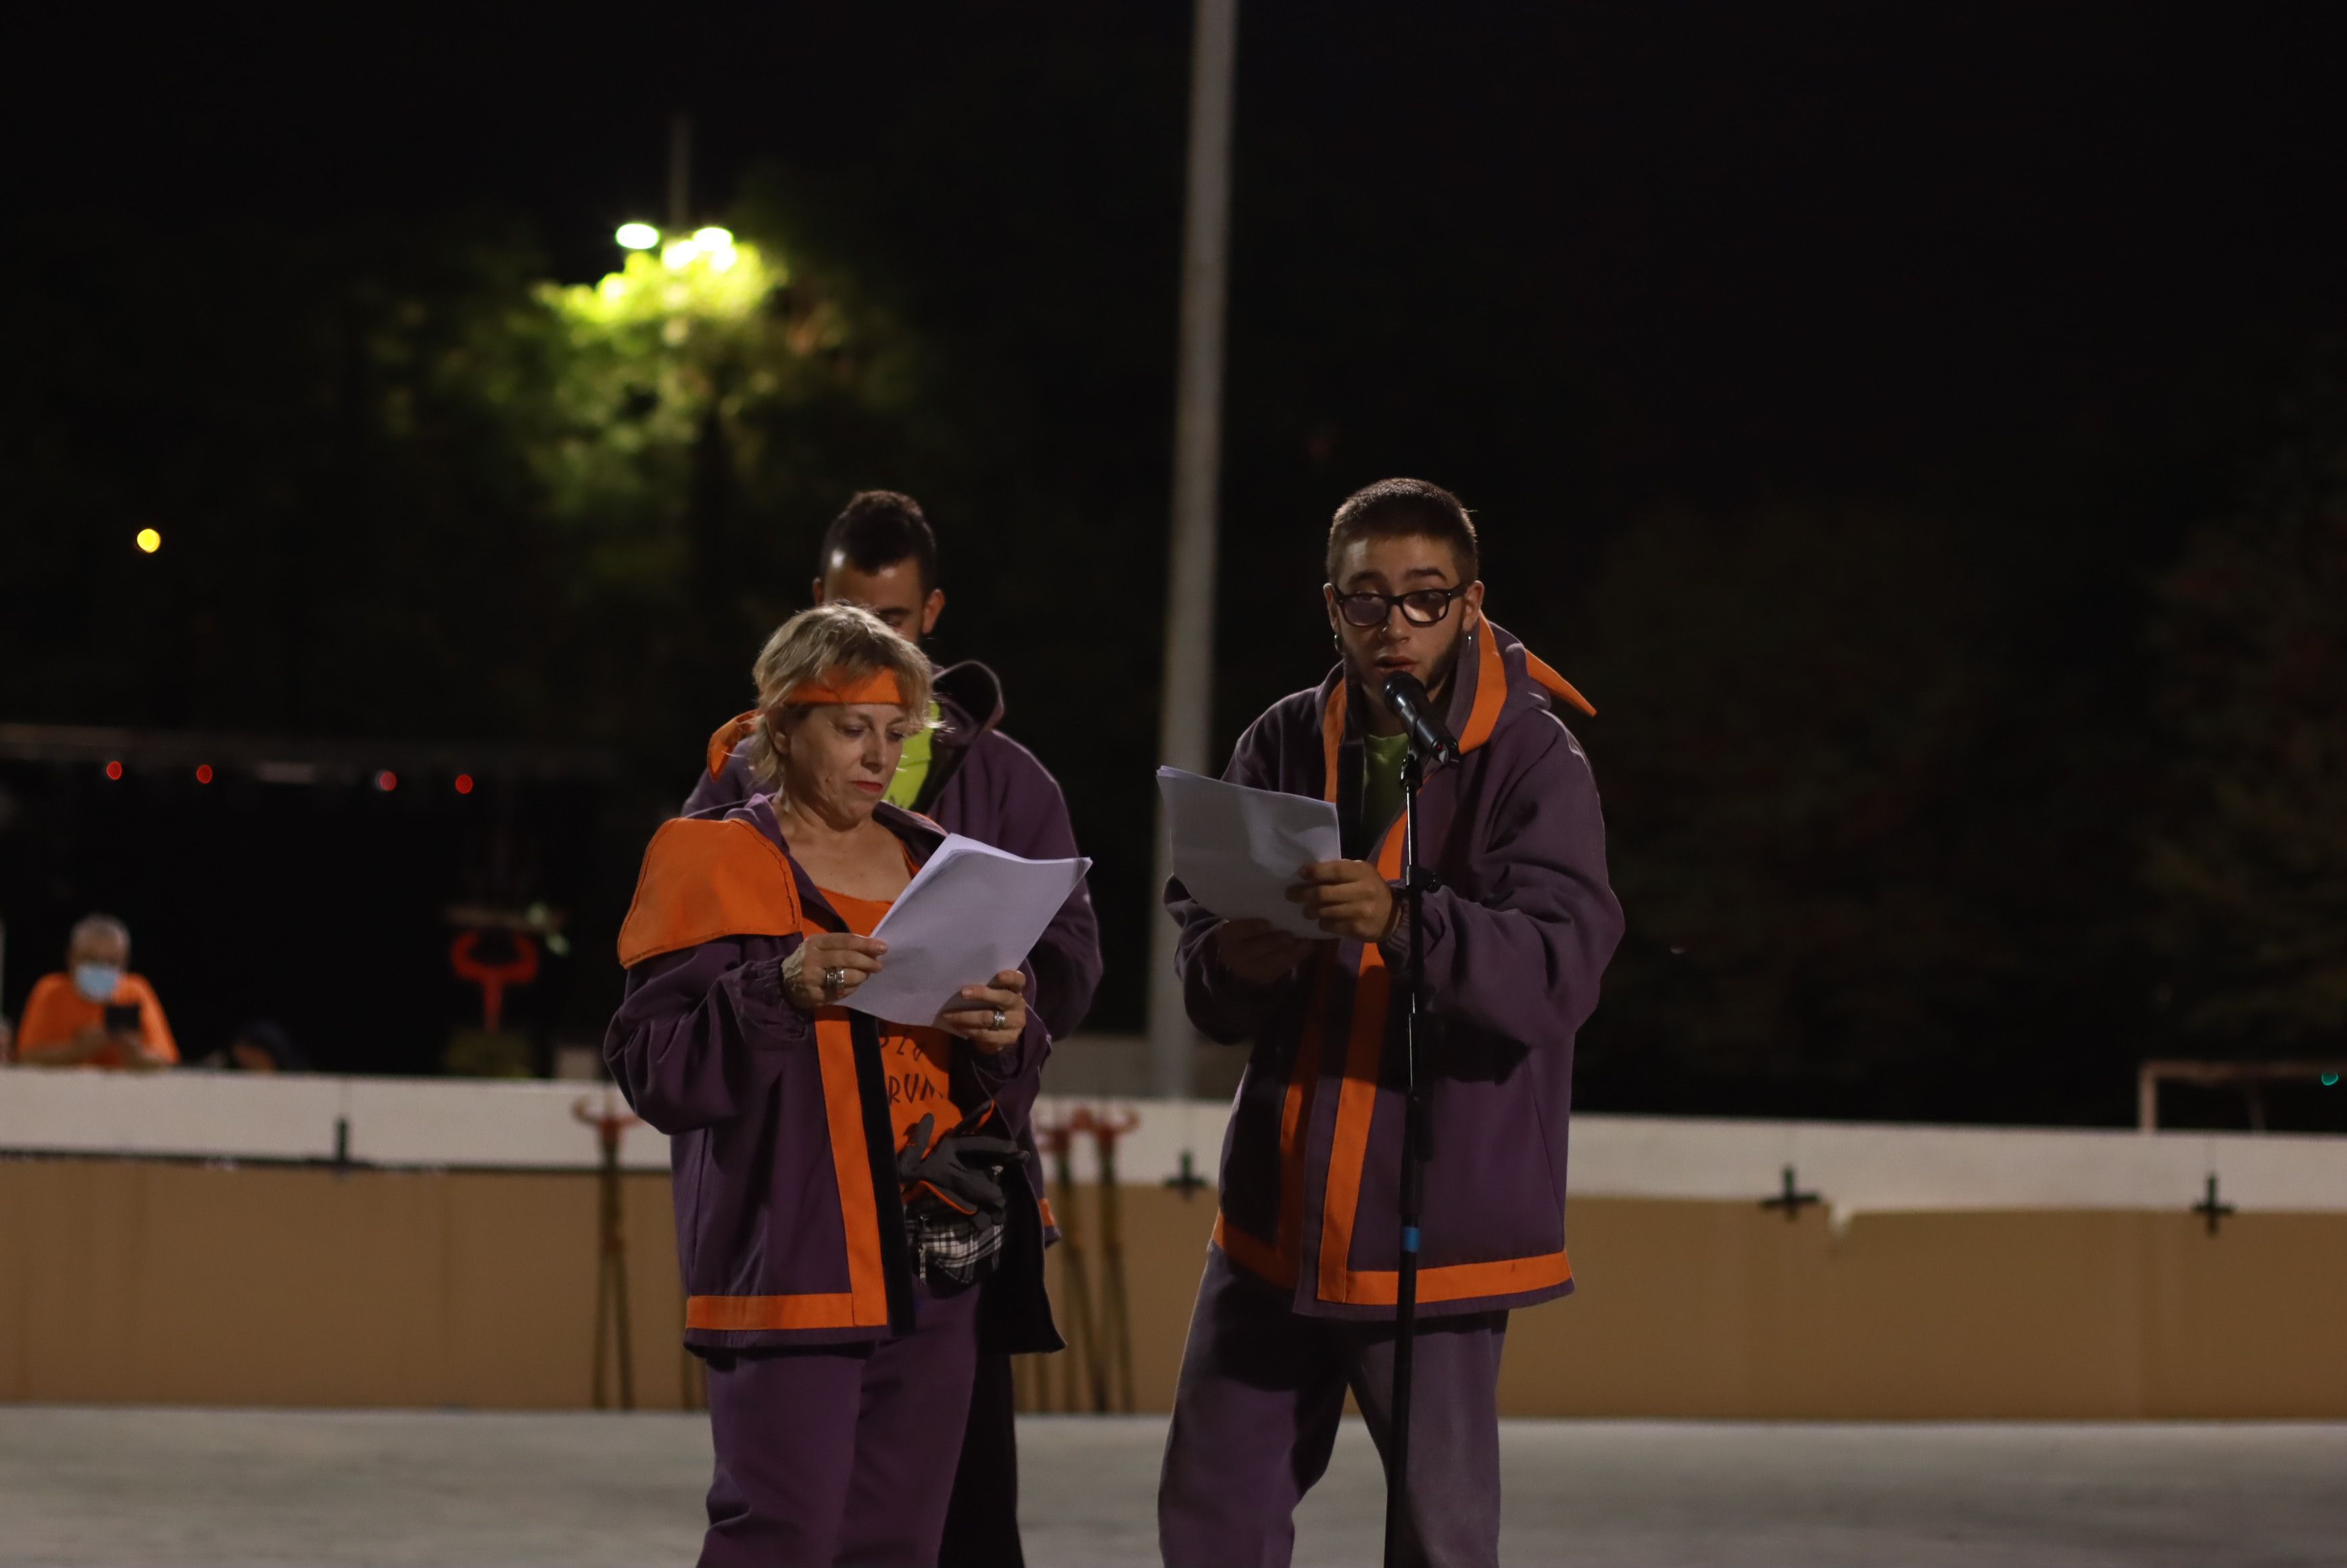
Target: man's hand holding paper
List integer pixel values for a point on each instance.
(1244, 854)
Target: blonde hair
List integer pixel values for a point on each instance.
(834, 644)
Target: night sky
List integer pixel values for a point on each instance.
(1810, 243)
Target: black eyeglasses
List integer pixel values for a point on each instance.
(1420, 606)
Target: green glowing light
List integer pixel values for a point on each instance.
(638, 236)
(2328, 1078)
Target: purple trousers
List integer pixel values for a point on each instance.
(1257, 1411)
(982, 1523)
(841, 1454)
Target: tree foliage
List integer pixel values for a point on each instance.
(1792, 701)
(409, 486)
(2247, 856)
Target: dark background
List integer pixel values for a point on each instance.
(1904, 426)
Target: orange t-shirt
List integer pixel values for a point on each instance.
(919, 1058)
(56, 1012)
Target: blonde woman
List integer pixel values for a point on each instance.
(849, 1193)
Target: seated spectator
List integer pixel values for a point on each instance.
(256, 1046)
(98, 1013)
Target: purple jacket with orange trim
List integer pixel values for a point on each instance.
(981, 785)
(1516, 939)
(789, 1222)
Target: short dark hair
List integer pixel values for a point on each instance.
(1406, 508)
(876, 529)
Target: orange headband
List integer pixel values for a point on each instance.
(839, 686)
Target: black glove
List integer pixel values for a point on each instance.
(963, 1172)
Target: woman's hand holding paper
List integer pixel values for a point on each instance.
(840, 956)
(972, 1014)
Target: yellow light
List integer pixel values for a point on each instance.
(150, 540)
(714, 239)
(638, 236)
(680, 253)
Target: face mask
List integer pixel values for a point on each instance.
(96, 982)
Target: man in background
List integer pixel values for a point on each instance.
(96, 1013)
(968, 776)
(880, 555)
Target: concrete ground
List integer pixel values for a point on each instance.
(113, 1487)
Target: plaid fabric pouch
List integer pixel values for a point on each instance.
(950, 1245)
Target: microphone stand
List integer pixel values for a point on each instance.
(1416, 1141)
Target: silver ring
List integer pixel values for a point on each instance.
(1001, 1021)
(833, 979)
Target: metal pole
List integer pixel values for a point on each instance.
(1116, 1320)
(1413, 1194)
(1187, 704)
(1074, 1280)
(679, 172)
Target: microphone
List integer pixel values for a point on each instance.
(1407, 700)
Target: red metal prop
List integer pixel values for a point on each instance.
(492, 978)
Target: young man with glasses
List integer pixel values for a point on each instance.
(969, 777)
(1298, 1301)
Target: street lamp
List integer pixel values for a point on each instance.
(717, 245)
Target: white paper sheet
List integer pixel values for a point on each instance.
(969, 914)
(1237, 850)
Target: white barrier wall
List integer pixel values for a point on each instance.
(459, 1123)
(1854, 1168)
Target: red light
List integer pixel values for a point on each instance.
(386, 781)
(464, 784)
(203, 772)
(113, 770)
